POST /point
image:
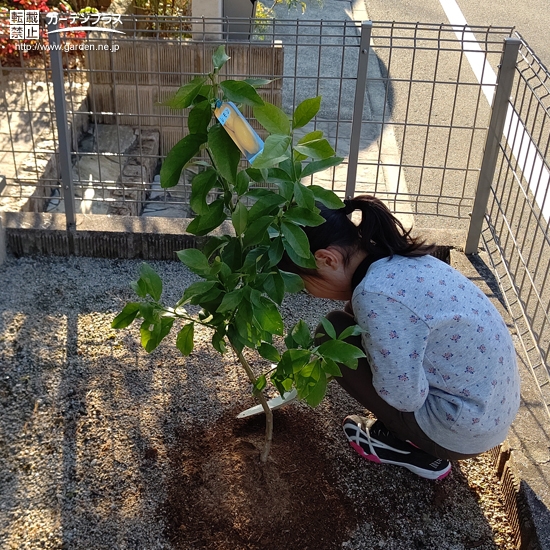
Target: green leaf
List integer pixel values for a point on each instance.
(205, 223)
(231, 301)
(306, 111)
(311, 136)
(258, 192)
(139, 288)
(178, 157)
(220, 58)
(297, 238)
(326, 196)
(186, 94)
(260, 383)
(185, 339)
(311, 383)
(244, 329)
(225, 153)
(303, 216)
(252, 258)
(293, 360)
(256, 232)
(214, 244)
(319, 165)
(319, 149)
(218, 340)
(242, 183)
(274, 286)
(276, 149)
(330, 367)
(273, 119)
(317, 390)
(240, 91)
(276, 250)
(153, 333)
(299, 260)
(210, 299)
(239, 217)
(304, 196)
(195, 291)
(234, 338)
(329, 328)
(268, 316)
(269, 352)
(232, 254)
(126, 317)
(195, 260)
(293, 282)
(341, 352)
(278, 174)
(153, 283)
(300, 333)
(201, 184)
(265, 205)
(256, 175)
(258, 82)
(149, 312)
(199, 118)
(348, 332)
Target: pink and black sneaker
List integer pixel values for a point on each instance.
(373, 441)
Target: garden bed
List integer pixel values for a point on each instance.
(105, 446)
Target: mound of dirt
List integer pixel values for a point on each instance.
(222, 497)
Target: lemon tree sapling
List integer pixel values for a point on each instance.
(241, 288)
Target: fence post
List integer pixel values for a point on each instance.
(494, 136)
(63, 132)
(358, 105)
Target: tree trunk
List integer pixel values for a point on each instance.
(268, 412)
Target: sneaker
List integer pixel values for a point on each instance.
(373, 441)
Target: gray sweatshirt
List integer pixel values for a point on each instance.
(438, 348)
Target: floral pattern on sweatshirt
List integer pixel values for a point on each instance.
(439, 348)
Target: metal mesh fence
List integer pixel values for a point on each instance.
(414, 136)
(518, 214)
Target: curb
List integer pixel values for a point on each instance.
(516, 503)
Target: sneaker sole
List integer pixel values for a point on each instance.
(417, 471)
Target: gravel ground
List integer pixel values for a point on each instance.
(87, 420)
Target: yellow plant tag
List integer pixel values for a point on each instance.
(240, 131)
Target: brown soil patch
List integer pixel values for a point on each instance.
(220, 495)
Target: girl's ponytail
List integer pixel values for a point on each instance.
(381, 233)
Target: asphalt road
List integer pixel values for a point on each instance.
(531, 18)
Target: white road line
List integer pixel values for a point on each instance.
(530, 161)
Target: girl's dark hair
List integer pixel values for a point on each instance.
(380, 234)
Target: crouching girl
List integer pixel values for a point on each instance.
(440, 376)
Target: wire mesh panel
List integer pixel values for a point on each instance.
(414, 134)
(28, 130)
(518, 213)
(434, 114)
(419, 134)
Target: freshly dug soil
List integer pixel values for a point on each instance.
(221, 496)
